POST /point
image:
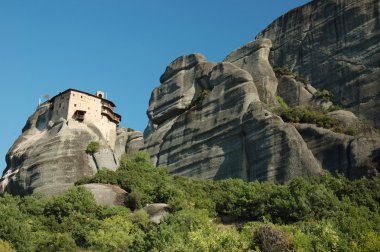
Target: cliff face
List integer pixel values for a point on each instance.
(48, 157)
(216, 120)
(336, 45)
(219, 120)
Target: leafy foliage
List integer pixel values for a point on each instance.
(322, 213)
(93, 147)
(324, 94)
(202, 95)
(301, 114)
(279, 71)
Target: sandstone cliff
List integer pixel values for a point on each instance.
(216, 120)
(49, 157)
(336, 45)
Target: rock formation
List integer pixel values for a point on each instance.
(219, 120)
(49, 157)
(220, 127)
(336, 45)
(106, 194)
(215, 120)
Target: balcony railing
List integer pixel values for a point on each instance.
(107, 105)
(112, 116)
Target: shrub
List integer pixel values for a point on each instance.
(114, 234)
(93, 147)
(202, 95)
(279, 71)
(57, 242)
(6, 246)
(283, 71)
(271, 239)
(325, 95)
(282, 103)
(301, 114)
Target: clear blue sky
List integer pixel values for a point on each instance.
(119, 46)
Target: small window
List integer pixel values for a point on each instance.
(81, 96)
(60, 105)
(75, 105)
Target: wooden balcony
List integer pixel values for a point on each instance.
(111, 115)
(107, 104)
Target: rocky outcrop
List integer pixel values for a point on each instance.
(253, 57)
(353, 156)
(215, 120)
(335, 44)
(157, 211)
(49, 157)
(106, 194)
(225, 130)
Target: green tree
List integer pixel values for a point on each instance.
(93, 147)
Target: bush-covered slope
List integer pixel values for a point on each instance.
(322, 213)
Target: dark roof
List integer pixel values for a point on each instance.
(76, 90)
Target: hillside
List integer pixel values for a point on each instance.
(315, 214)
(257, 115)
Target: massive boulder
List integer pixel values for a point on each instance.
(224, 129)
(336, 45)
(216, 120)
(48, 158)
(106, 194)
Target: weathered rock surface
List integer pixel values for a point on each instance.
(336, 45)
(49, 158)
(253, 57)
(225, 127)
(352, 156)
(296, 93)
(106, 194)
(177, 81)
(157, 211)
(227, 133)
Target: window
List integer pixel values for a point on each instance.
(60, 104)
(75, 105)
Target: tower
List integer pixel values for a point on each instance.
(100, 94)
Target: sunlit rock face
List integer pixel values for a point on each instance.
(336, 45)
(48, 158)
(223, 128)
(216, 120)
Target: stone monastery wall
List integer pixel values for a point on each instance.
(68, 103)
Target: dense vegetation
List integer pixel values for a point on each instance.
(322, 213)
(302, 114)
